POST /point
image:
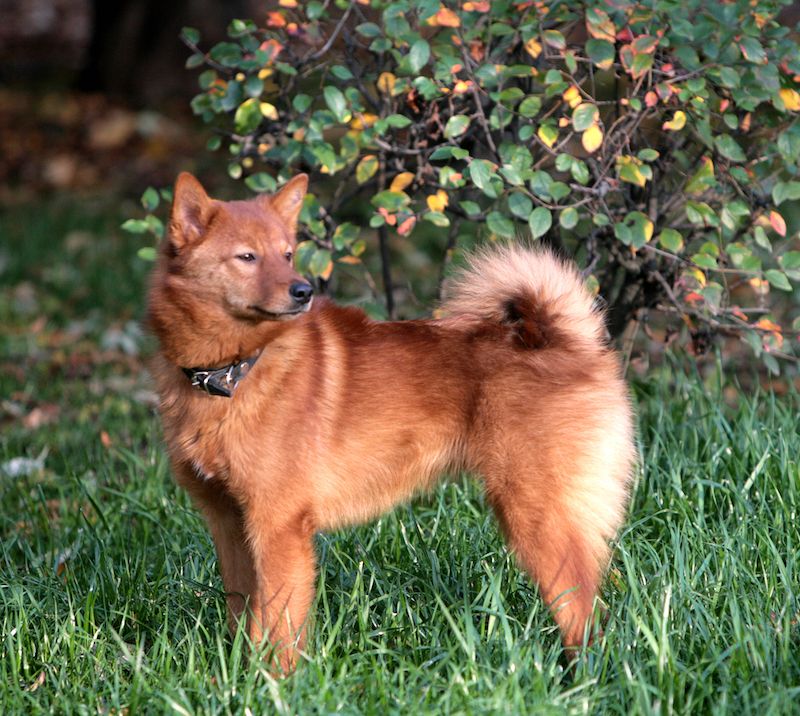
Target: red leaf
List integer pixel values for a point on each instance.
(276, 19)
(406, 227)
(777, 223)
(625, 35)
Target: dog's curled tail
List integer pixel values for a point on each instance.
(541, 298)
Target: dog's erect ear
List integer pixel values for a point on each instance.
(289, 200)
(191, 210)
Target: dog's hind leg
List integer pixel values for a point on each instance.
(560, 551)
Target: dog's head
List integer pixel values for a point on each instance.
(238, 254)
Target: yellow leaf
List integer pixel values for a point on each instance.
(592, 138)
(287, 3)
(264, 73)
(533, 48)
(438, 201)
(364, 120)
(698, 276)
(572, 96)
(268, 110)
(648, 230)
(677, 122)
(366, 168)
(447, 18)
(791, 99)
(325, 274)
(401, 181)
(548, 135)
(386, 82)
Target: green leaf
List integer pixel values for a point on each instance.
(261, 182)
(147, 253)
(368, 29)
(555, 39)
(470, 207)
(366, 168)
(778, 279)
(729, 77)
(190, 35)
(344, 235)
(301, 102)
(703, 178)
(558, 190)
(500, 225)
(437, 218)
(519, 204)
(195, 60)
(135, 226)
(418, 56)
(786, 190)
(641, 64)
(340, 72)
(456, 126)
(392, 201)
(790, 260)
(150, 199)
(227, 54)
(481, 173)
(321, 263)
(568, 218)
(647, 155)
(579, 171)
(530, 106)
(704, 261)
(728, 147)
(336, 103)
(762, 239)
(540, 221)
(398, 121)
(671, 240)
(584, 116)
(752, 50)
(631, 172)
(248, 116)
(640, 228)
(600, 52)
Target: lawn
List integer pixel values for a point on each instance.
(110, 601)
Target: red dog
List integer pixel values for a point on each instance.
(285, 415)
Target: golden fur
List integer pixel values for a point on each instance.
(342, 418)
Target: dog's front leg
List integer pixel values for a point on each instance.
(225, 520)
(285, 576)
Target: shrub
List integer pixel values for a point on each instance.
(656, 142)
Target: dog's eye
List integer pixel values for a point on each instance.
(288, 256)
(246, 257)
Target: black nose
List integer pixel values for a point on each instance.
(301, 292)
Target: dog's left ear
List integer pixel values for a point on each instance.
(289, 200)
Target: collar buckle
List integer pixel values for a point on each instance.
(220, 381)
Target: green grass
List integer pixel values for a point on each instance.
(110, 599)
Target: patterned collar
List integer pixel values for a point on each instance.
(220, 381)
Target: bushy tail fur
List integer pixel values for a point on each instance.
(540, 297)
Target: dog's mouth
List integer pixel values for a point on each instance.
(282, 315)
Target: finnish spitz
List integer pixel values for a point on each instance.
(285, 415)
